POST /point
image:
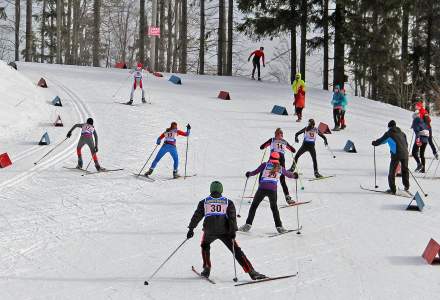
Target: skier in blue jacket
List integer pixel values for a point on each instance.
(338, 102)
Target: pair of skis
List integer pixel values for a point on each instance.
(399, 193)
(150, 179)
(246, 282)
(86, 172)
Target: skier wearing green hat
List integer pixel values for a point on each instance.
(220, 223)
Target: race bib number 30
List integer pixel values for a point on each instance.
(216, 207)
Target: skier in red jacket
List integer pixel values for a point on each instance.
(256, 61)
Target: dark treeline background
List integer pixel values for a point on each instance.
(384, 50)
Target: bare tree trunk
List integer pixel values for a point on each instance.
(202, 38)
(428, 51)
(339, 45)
(303, 38)
(42, 31)
(51, 37)
(325, 21)
(176, 33)
(75, 31)
(292, 41)
(153, 38)
(162, 38)
(141, 53)
(96, 31)
(230, 37)
(59, 25)
(17, 30)
(170, 35)
(183, 37)
(405, 31)
(67, 37)
(28, 56)
(221, 29)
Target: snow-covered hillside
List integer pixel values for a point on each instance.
(67, 236)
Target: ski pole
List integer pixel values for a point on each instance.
(160, 267)
(186, 155)
(417, 182)
(435, 172)
(148, 160)
(298, 171)
(50, 151)
(233, 258)
(256, 178)
(429, 167)
(375, 177)
(297, 212)
(297, 219)
(331, 152)
(412, 138)
(242, 197)
(123, 82)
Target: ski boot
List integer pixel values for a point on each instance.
(436, 155)
(281, 229)
(206, 271)
(129, 102)
(143, 100)
(99, 168)
(80, 163)
(254, 275)
(175, 175)
(389, 191)
(317, 175)
(336, 128)
(419, 167)
(245, 228)
(148, 173)
(422, 170)
(259, 79)
(289, 200)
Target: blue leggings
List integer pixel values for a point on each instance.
(167, 148)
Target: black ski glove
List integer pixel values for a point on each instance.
(325, 143)
(190, 233)
(233, 234)
(69, 134)
(296, 140)
(373, 143)
(248, 174)
(96, 148)
(295, 175)
(188, 127)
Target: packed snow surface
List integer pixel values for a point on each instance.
(67, 236)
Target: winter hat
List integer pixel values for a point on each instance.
(139, 66)
(90, 121)
(216, 187)
(391, 124)
(298, 75)
(274, 157)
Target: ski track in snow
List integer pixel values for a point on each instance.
(65, 236)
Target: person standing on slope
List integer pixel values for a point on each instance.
(256, 61)
(89, 137)
(344, 108)
(220, 223)
(421, 132)
(398, 144)
(270, 173)
(279, 145)
(138, 76)
(337, 102)
(310, 132)
(169, 146)
(299, 92)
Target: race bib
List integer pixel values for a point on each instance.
(278, 146)
(170, 136)
(216, 206)
(268, 175)
(87, 129)
(310, 135)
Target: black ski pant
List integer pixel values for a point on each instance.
(392, 173)
(282, 177)
(256, 64)
(259, 196)
(298, 111)
(415, 153)
(432, 145)
(337, 117)
(227, 240)
(306, 147)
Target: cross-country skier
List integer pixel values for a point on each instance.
(398, 144)
(338, 103)
(299, 92)
(310, 132)
(421, 132)
(256, 61)
(427, 120)
(89, 137)
(169, 146)
(269, 172)
(280, 145)
(220, 223)
(137, 80)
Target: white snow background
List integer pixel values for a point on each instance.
(67, 236)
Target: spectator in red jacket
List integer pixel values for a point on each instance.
(256, 61)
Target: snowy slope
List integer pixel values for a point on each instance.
(67, 236)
